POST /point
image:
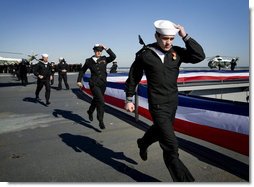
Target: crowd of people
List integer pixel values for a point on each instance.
(22, 69)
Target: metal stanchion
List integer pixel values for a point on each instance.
(136, 105)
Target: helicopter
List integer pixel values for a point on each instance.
(9, 61)
(219, 62)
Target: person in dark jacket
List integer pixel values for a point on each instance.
(23, 65)
(42, 71)
(161, 61)
(62, 73)
(98, 80)
(113, 68)
(53, 70)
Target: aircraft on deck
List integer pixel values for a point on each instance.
(9, 61)
(219, 62)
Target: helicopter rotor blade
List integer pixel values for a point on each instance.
(7, 52)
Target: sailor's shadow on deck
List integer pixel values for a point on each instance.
(107, 156)
(12, 83)
(74, 117)
(34, 100)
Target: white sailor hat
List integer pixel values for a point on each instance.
(61, 58)
(45, 55)
(165, 27)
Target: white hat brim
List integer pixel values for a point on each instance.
(165, 27)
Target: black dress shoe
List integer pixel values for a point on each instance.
(142, 150)
(102, 126)
(47, 103)
(90, 116)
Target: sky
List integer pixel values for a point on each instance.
(70, 28)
